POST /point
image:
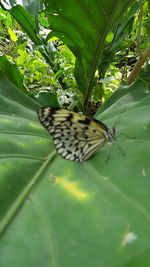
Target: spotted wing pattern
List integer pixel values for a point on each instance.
(76, 137)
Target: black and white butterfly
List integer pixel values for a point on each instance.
(76, 137)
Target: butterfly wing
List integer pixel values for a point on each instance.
(75, 136)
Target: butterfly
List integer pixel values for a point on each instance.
(76, 137)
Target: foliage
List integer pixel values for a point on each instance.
(37, 74)
(35, 57)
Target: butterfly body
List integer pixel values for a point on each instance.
(76, 137)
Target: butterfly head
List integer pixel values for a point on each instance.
(111, 135)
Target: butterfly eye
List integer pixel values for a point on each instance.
(114, 131)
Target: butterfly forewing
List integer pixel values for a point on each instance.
(76, 137)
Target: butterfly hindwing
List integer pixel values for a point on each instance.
(76, 137)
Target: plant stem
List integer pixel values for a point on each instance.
(143, 58)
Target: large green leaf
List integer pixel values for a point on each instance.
(33, 6)
(83, 26)
(94, 213)
(27, 22)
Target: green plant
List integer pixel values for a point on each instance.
(100, 48)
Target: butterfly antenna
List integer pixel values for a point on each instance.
(120, 149)
(117, 120)
(129, 137)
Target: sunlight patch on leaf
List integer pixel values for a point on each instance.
(21, 144)
(109, 37)
(129, 238)
(72, 188)
(144, 173)
(6, 120)
(35, 126)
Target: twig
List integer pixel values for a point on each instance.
(143, 58)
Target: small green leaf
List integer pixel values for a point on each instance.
(109, 37)
(12, 73)
(47, 99)
(12, 34)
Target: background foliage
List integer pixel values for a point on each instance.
(48, 65)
